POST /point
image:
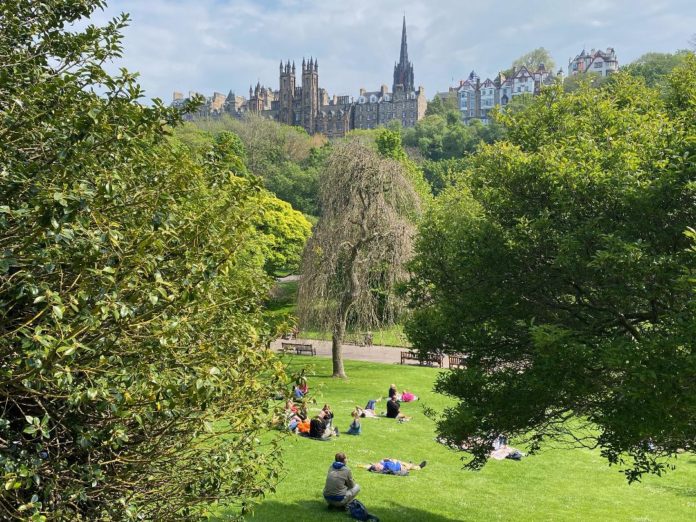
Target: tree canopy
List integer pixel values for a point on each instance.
(561, 270)
(534, 58)
(130, 291)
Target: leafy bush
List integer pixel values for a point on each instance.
(133, 375)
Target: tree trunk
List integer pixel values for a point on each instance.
(337, 349)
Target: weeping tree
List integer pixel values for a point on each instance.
(355, 259)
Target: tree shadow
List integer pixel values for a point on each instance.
(312, 510)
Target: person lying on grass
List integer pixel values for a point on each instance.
(368, 411)
(394, 410)
(394, 467)
(340, 488)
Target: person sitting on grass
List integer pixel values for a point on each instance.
(355, 428)
(340, 488)
(319, 430)
(394, 410)
(327, 414)
(394, 467)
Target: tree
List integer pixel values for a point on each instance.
(443, 105)
(533, 59)
(560, 269)
(355, 259)
(655, 68)
(133, 368)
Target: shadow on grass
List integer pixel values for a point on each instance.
(312, 510)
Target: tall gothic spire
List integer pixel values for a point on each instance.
(403, 57)
(403, 71)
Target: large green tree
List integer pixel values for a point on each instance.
(133, 368)
(562, 272)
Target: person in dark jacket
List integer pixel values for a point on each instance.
(340, 488)
(318, 428)
(394, 410)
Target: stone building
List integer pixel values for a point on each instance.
(477, 99)
(307, 105)
(404, 103)
(598, 62)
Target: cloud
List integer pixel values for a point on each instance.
(221, 45)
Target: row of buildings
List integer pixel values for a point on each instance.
(300, 101)
(307, 105)
(477, 98)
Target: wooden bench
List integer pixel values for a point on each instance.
(429, 359)
(300, 349)
(457, 361)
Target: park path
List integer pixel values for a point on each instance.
(377, 354)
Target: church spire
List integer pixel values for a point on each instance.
(403, 71)
(403, 57)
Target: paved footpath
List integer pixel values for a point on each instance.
(378, 354)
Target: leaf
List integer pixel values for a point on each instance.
(57, 311)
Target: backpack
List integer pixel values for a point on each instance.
(358, 511)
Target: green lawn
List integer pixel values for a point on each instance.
(554, 485)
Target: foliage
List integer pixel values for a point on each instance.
(438, 137)
(286, 158)
(532, 60)
(559, 268)
(284, 232)
(355, 258)
(655, 68)
(443, 105)
(586, 79)
(130, 292)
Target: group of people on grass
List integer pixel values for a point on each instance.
(321, 425)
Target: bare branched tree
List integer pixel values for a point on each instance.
(356, 256)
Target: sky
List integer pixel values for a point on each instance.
(223, 45)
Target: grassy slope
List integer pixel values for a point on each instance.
(554, 485)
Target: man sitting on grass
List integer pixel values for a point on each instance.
(340, 487)
(393, 410)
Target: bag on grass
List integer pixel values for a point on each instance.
(358, 511)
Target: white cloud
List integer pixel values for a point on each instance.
(208, 45)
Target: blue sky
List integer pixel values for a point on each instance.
(222, 45)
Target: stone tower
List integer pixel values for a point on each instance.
(403, 71)
(310, 94)
(287, 93)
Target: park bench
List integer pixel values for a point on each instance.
(457, 361)
(429, 359)
(300, 349)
